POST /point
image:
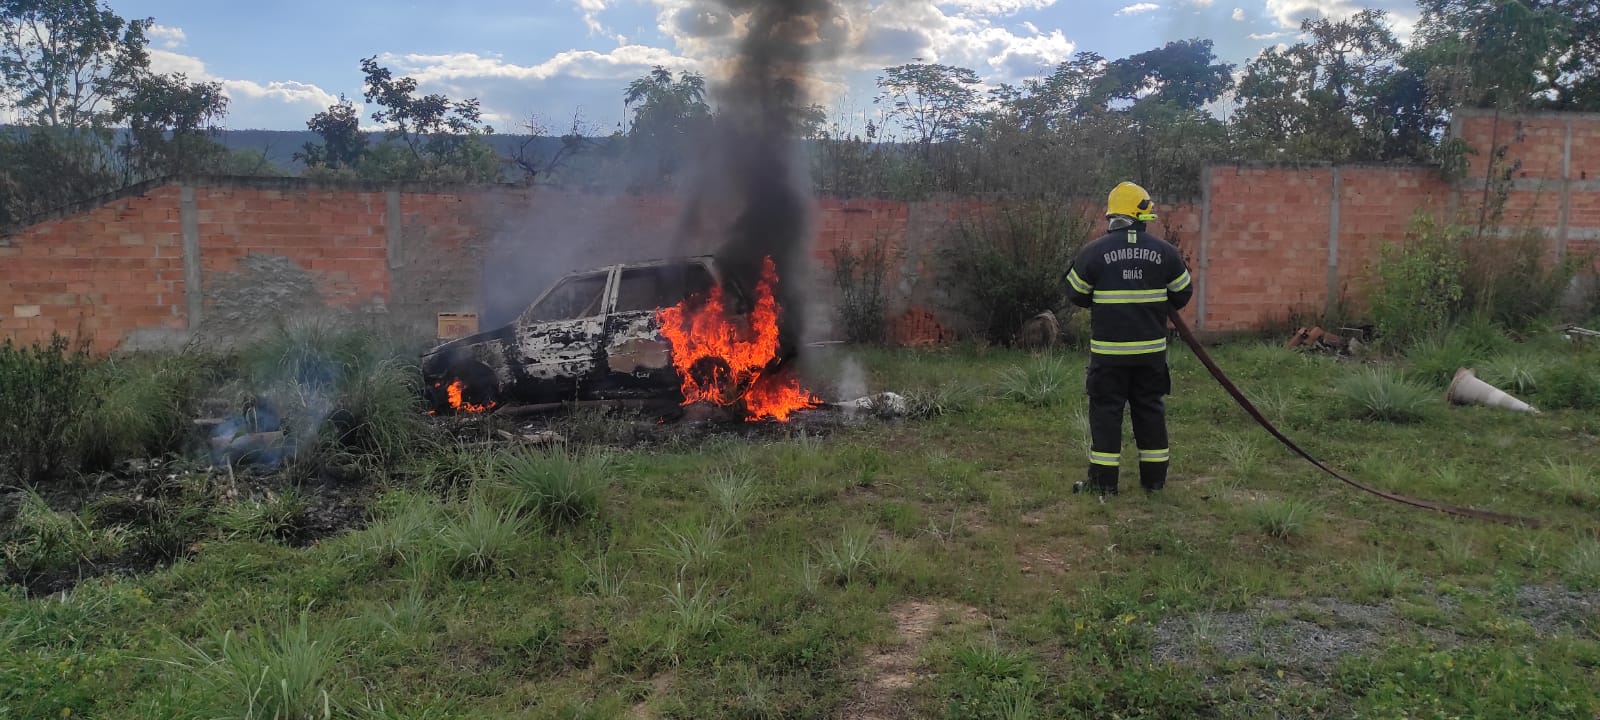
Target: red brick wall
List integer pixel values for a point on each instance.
(338, 237)
(1266, 247)
(102, 273)
(116, 271)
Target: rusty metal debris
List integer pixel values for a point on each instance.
(1319, 340)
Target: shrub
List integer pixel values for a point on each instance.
(859, 274)
(1509, 280)
(1417, 284)
(144, 410)
(1442, 273)
(1007, 264)
(44, 390)
(1382, 395)
(1572, 383)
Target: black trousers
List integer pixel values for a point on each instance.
(1143, 390)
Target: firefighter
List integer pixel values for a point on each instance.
(1129, 280)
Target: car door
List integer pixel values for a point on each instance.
(638, 358)
(560, 336)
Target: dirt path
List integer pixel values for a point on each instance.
(890, 670)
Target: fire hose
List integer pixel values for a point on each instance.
(1233, 390)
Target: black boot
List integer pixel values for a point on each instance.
(1103, 479)
(1152, 476)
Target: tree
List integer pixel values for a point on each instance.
(1513, 54)
(932, 102)
(62, 62)
(1183, 75)
(72, 68)
(170, 124)
(342, 144)
(42, 168)
(666, 113)
(1068, 94)
(533, 156)
(440, 138)
(1320, 98)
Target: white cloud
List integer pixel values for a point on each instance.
(996, 7)
(1205, 3)
(508, 90)
(279, 100)
(1238, 14)
(591, 10)
(623, 62)
(1401, 17)
(1138, 8)
(169, 37)
(864, 36)
(1271, 35)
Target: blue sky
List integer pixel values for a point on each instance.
(282, 61)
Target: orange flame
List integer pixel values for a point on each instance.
(722, 363)
(453, 395)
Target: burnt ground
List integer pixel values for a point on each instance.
(639, 425)
(169, 506)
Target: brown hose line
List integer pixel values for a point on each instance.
(1216, 372)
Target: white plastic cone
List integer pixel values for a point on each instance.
(1467, 389)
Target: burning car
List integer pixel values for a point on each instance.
(675, 329)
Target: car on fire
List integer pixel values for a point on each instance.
(593, 335)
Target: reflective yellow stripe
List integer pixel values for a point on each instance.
(1100, 458)
(1078, 283)
(1179, 284)
(1123, 297)
(1127, 348)
(1161, 455)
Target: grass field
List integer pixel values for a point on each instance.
(935, 566)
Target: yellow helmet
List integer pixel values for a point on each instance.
(1131, 201)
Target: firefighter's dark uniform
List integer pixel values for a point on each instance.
(1129, 280)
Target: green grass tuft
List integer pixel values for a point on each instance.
(256, 675)
(479, 538)
(1583, 565)
(1383, 395)
(1570, 482)
(276, 516)
(1041, 382)
(564, 487)
(1284, 519)
(733, 493)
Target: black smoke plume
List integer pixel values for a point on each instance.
(754, 179)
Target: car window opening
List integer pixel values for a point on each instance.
(576, 297)
(653, 288)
